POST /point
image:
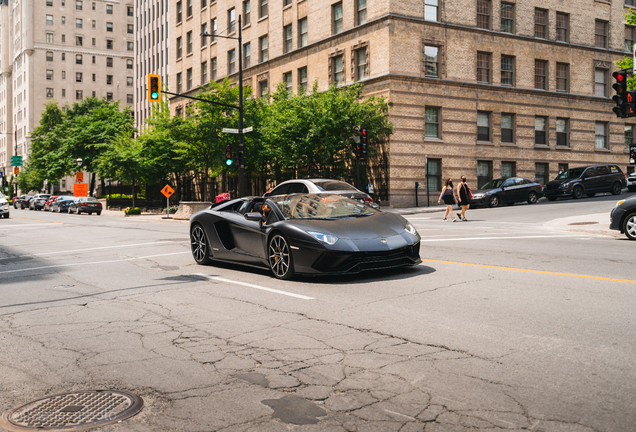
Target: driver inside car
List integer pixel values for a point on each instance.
(265, 209)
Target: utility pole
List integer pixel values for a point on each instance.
(240, 108)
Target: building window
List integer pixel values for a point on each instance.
(540, 130)
(204, 30)
(49, 75)
(483, 126)
(287, 35)
(189, 79)
(231, 62)
(109, 9)
(130, 11)
(189, 42)
(78, 5)
(247, 55)
(302, 32)
(540, 74)
(361, 12)
(63, 56)
(94, 77)
(246, 12)
(484, 173)
(434, 175)
(63, 74)
(78, 77)
(130, 45)
(109, 97)
(302, 78)
(49, 38)
(204, 72)
(179, 47)
(629, 38)
(263, 88)
(129, 98)
(78, 94)
(431, 10)
(109, 44)
(79, 40)
(63, 92)
(361, 63)
(562, 125)
(287, 2)
(600, 34)
(483, 67)
(109, 80)
(179, 82)
(507, 128)
(264, 45)
(231, 21)
(483, 14)
(507, 17)
(179, 12)
(562, 77)
(129, 64)
(262, 12)
(507, 70)
(78, 23)
(49, 2)
(562, 25)
(109, 62)
(213, 69)
(431, 122)
(508, 169)
(49, 20)
(78, 59)
(600, 82)
(336, 15)
(337, 64)
(129, 81)
(213, 25)
(63, 20)
(287, 79)
(542, 173)
(49, 56)
(109, 27)
(431, 61)
(540, 23)
(189, 10)
(130, 28)
(629, 136)
(600, 135)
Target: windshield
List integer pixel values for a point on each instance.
(492, 184)
(89, 199)
(44, 196)
(334, 186)
(571, 174)
(320, 206)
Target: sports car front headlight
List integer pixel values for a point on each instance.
(410, 229)
(325, 238)
(478, 196)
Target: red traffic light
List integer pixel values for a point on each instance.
(364, 131)
(228, 148)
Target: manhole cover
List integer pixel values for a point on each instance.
(73, 411)
(582, 223)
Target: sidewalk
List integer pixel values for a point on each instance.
(153, 217)
(416, 210)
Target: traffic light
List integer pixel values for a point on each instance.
(356, 149)
(632, 154)
(154, 88)
(229, 156)
(364, 143)
(620, 86)
(630, 105)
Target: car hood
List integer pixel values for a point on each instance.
(558, 182)
(485, 191)
(377, 226)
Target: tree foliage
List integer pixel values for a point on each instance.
(627, 62)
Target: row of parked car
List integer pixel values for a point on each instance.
(58, 203)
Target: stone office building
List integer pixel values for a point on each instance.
(485, 88)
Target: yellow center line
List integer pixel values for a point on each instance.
(36, 220)
(533, 271)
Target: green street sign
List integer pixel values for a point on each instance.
(16, 161)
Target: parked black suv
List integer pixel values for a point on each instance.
(588, 180)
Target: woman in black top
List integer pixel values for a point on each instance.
(464, 198)
(448, 194)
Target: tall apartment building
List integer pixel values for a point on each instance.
(151, 50)
(63, 51)
(484, 88)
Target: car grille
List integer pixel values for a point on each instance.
(360, 261)
(552, 186)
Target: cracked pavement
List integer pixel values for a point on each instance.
(433, 348)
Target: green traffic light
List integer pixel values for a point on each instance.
(154, 95)
(229, 162)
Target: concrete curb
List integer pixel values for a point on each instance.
(591, 224)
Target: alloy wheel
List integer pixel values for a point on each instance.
(199, 245)
(577, 193)
(616, 188)
(279, 258)
(494, 201)
(630, 226)
(532, 197)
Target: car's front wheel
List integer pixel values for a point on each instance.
(494, 201)
(6, 215)
(532, 197)
(280, 259)
(617, 188)
(200, 245)
(577, 193)
(629, 226)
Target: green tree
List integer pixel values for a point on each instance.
(123, 160)
(627, 62)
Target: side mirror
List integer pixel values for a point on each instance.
(254, 217)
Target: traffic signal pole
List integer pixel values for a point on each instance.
(240, 108)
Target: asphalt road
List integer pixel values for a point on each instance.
(515, 320)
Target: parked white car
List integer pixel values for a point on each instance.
(4, 206)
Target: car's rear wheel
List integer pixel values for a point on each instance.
(200, 245)
(494, 201)
(629, 226)
(99, 213)
(78, 211)
(532, 197)
(577, 193)
(617, 188)
(590, 195)
(280, 259)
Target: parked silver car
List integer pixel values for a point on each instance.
(305, 186)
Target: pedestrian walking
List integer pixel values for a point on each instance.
(448, 194)
(463, 196)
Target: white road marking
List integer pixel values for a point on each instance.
(254, 286)
(499, 238)
(89, 263)
(97, 248)
(24, 225)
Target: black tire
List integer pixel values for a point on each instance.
(577, 193)
(533, 197)
(21, 206)
(629, 226)
(6, 215)
(279, 257)
(590, 195)
(15, 206)
(90, 213)
(494, 201)
(551, 198)
(59, 209)
(617, 188)
(78, 211)
(99, 213)
(200, 245)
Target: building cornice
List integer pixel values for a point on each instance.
(76, 51)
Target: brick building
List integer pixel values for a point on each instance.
(481, 87)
